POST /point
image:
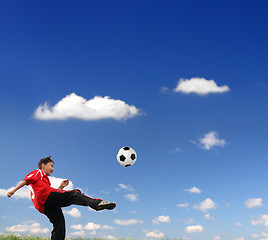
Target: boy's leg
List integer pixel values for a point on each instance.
(64, 198)
(81, 199)
(56, 217)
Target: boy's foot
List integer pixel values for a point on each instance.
(106, 205)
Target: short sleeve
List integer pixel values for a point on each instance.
(33, 177)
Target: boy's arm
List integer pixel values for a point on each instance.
(20, 185)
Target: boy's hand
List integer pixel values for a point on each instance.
(64, 183)
(10, 193)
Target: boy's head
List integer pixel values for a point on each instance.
(47, 165)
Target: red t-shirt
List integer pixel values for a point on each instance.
(40, 188)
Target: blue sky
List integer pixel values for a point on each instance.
(182, 82)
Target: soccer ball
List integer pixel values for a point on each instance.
(126, 156)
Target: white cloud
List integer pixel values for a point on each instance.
(206, 205)
(77, 227)
(74, 106)
(18, 228)
(125, 187)
(79, 233)
(200, 86)
(193, 190)
(107, 227)
(176, 150)
(108, 236)
(163, 219)
(132, 197)
(254, 202)
(260, 220)
(93, 232)
(264, 234)
(74, 212)
(164, 90)
(238, 224)
(194, 228)
(208, 217)
(127, 222)
(254, 235)
(217, 238)
(182, 205)
(241, 238)
(92, 226)
(190, 221)
(155, 234)
(3, 192)
(210, 140)
(55, 183)
(33, 228)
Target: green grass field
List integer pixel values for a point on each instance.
(11, 236)
(33, 237)
(20, 237)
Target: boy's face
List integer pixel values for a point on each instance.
(48, 168)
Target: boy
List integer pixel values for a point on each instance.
(49, 201)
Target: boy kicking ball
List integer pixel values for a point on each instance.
(49, 201)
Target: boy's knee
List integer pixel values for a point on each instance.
(77, 190)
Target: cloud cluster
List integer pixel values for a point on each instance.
(194, 228)
(208, 217)
(200, 86)
(210, 140)
(155, 234)
(206, 205)
(132, 197)
(242, 238)
(74, 212)
(260, 220)
(91, 226)
(193, 190)
(76, 107)
(161, 219)
(55, 183)
(125, 187)
(34, 228)
(183, 205)
(254, 202)
(127, 222)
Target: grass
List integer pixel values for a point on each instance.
(12, 236)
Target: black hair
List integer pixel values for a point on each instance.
(45, 161)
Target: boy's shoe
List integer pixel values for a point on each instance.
(106, 205)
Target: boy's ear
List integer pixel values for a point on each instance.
(43, 165)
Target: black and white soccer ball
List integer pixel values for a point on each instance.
(126, 156)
